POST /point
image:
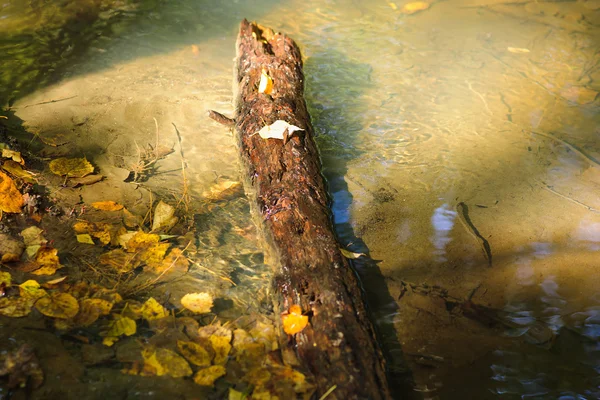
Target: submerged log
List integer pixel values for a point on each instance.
(284, 179)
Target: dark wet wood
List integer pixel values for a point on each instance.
(284, 178)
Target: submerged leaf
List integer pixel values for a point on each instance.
(277, 129)
(414, 7)
(17, 170)
(165, 362)
(71, 167)
(120, 326)
(11, 200)
(152, 310)
(164, 217)
(58, 305)
(108, 205)
(194, 353)
(208, 376)
(200, 303)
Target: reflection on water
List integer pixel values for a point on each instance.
(486, 102)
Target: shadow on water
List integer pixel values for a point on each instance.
(43, 42)
(334, 85)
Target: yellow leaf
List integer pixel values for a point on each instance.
(110, 340)
(223, 190)
(17, 170)
(13, 155)
(47, 259)
(120, 260)
(58, 305)
(85, 238)
(11, 200)
(98, 230)
(175, 261)
(194, 353)
(5, 279)
(71, 167)
(349, 254)
(200, 303)
(266, 83)
(257, 376)
(414, 7)
(222, 346)
(32, 290)
(166, 362)
(153, 310)
(277, 130)
(294, 321)
(141, 241)
(15, 307)
(154, 254)
(393, 6)
(517, 50)
(120, 326)
(208, 376)
(107, 206)
(90, 310)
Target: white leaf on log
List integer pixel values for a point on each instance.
(277, 129)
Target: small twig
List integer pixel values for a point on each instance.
(328, 392)
(564, 196)
(221, 119)
(480, 96)
(50, 101)
(185, 197)
(569, 146)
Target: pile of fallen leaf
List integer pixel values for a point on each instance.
(239, 358)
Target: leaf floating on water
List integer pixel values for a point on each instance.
(200, 303)
(266, 83)
(71, 167)
(351, 255)
(414, 7)
(194, 353)
(15, 307)
(277, 129)
(294, 321)
(208, 376)
(108, 205)
(518, 50)
(11, 200)
(58, 305)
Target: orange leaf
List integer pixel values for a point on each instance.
(11, 200)
(294, 322)
(107, 206)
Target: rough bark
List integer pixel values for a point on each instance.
(284, 178)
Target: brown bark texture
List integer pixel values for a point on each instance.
(339, 345)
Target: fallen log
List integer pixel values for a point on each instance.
(284, 180)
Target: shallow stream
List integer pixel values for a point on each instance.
(460, 142)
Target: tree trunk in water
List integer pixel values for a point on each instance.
(284, 180)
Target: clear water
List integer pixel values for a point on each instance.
(490, 103)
